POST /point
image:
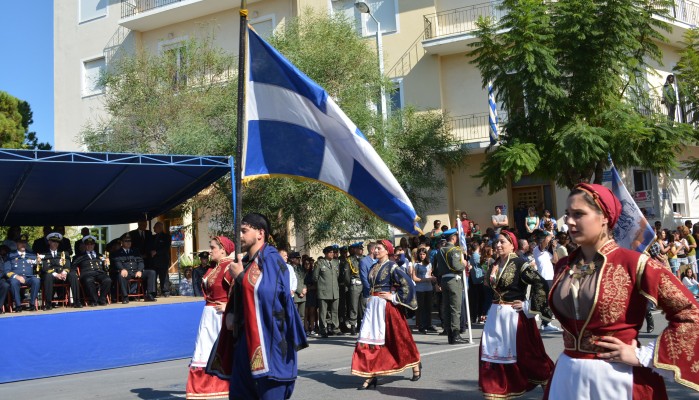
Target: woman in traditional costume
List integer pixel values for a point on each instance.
(215, 284)
(599, 294)
(512, 356)
(385, 345)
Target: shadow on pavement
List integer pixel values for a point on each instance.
(148, 393)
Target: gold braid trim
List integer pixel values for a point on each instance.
(354, 271)
(244, 12)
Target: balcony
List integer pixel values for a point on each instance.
(146, 15)
(450, 32)
(473, 129)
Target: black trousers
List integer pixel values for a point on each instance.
(88, 280)
(197, 277)
(48, 281)
(163, 277)
(424, 309)
(148, 277)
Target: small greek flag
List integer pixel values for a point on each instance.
(295, 129)
(493, 114)
(632, 230)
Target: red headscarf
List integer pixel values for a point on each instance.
(228, 246)
(605, 200)
(511, 238)
(388, 245)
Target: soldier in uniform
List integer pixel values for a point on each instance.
(65, 242)
(354, 298)
(199, 272)
(326, 274)
(160, 257)
(343, 282)
(300, 290)
(55, 268)
(450, 266)
(93, 268)
(129, 265)
(20, 269)
(365, 265)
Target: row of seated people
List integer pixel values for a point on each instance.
(91, 270)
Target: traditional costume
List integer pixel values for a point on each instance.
(385, 345)
(608, 297)
(512, 356)
(215, 285)
(267, 332)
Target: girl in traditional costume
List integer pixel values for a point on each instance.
(385, 345)
(215, 285)
(599, 294)
(512, 356)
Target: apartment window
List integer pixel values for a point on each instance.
(92, 72)
(396, 96)
(177, 57)
(641, 180)
(92, 9)
(385, 11)
(678, 210)
(263, 26)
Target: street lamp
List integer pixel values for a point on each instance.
(363, 8)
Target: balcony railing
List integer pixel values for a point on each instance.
(129, 8)
(473, 127)
(459, 20)
(463, 20)
(654, 106)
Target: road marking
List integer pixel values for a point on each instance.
(431, 353)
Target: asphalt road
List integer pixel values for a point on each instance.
(450, 372)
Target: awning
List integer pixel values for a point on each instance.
(66, 188)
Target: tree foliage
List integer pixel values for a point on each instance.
(572, 77)
(687, 73)
(15, 117)
(151, 110)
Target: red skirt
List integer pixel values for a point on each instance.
(396, 355)
(201, 385)
(533, 366)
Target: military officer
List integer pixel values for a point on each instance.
(354, 282)
(300, 290)
(365, 265)
(129, 265)
(55, 268)
(326, 274)
(20, 269)
(450, 266)
(199, 272)
(343, 282)
(93, 268)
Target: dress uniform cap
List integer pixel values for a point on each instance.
(54, 236)
(449, 232)
(89, 239)
(23, 238)
(295, 254)
(356, 245)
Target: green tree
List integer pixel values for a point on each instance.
(149, 111)
(15, 117)
(687, 74)
(571, 76)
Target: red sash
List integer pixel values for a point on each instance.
(252, 325)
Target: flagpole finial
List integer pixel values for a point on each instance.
(244, 9)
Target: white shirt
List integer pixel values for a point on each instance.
(543, 262)
(293, 282)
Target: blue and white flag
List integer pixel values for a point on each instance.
(632, 230)
(462, 234)
(493, 114)
(295, 129)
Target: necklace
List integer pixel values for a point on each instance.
(582, 269)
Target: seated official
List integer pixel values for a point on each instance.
(129, 265)
(199, 272)
(55, 268)
(4, 288)
(93, 268)
(20, 269)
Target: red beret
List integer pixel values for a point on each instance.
(605, 200)
(227, 244)
(388, 245)
(511, 238)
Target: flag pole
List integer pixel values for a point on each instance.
(242, 56)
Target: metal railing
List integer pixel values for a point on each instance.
(473, 127)
(463, 20)
(460, 20)
(408, 60)
(129, 8)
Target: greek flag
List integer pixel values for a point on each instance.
(493, 114)
(295, 129)
(632, 231)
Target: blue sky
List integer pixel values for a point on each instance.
(26, 69)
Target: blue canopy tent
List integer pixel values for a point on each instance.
(69, 188)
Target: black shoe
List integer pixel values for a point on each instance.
(353, 331)
(102, 303)
(457, 339)
(92, 304)
(125, 301)
(423, 331)
(368, 384)
(444, 333)
(32, 308)
(150, 298)
(17, 309)
(166, 294)
(48, 308)
(416, 377)
(431, 329)
(77, 305)
(324, 335)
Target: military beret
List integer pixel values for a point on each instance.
(356, 245)
(343, 248)
(449, 232)
(328, 249)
